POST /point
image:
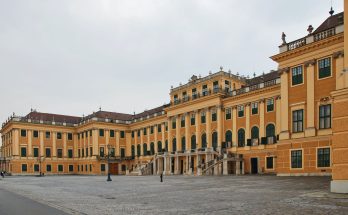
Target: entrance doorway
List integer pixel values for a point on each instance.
(114, 168)
(182, 167)
(254, 166)
(173, 160)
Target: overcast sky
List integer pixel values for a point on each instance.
(70, 57)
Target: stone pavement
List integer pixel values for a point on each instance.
(181, 194)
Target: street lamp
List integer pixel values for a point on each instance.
(109, 149)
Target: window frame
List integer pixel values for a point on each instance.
(291, 157)
(254, 105)
(228, 114)
(318, 68)
(297, 121)
(266, 162)
(325, 117)
(317, 157)
(240, 109)
(295, 69)
(271, 105)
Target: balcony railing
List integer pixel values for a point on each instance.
(324, 34)
(296, 44)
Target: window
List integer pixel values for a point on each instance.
(91, 151)
(112, 152)
(166, 126)
(254, 108)
(215, 140)
(174, 145)
(35, 134)
(79, 152)
(122, 134)
(70, 153)
(324, 116)
(216, 86)
(69, 136)
(323, 157)
(138, 150)
(296, 159)
(255, 132)
(297, 75)
(176, 99)
(159, 128)
(227, 86)
(24, 167)
(270, 105)
(23, 133)
(193, 119)
(213, 116)
(36, 152)
(159, 146)
(297, 121)
(166, 146)
(101, 151)
(193, 142)
(48, 152)
(112, 133)
(83, 152)
(48, 168)
(204, 140)
(205, 90)
(182, 121)
(60, 168)
(59, 153)
(228, 113)
(102, 167)
(144, 131)
(194, 93)
(202, 117)
(240, 111)
(48, 135)
(228, 138)
(36, 167)
(23, 152)
(132, 134)
(123, 153)
(324, 68)
(241, 138)
(90, 133)
(173, 124)
(82, 168)
(151, 130)
(269, 162)
(144, 149)
(184, 96)
(183, 144)
(71, 168)
(101, 132)
(138, 133)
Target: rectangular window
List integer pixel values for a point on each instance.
(296, 159)
(194, 93)
(102, 167)
(48, 152)
(83, 152)
(112, 152)
(213, 116)
(86, 152)
(324, 68)
(132, 134)
(60, 168)
(182, 121)
(36, 152)
(23, 133)
(176, 99)
(101, 132)
(122, 134)
(69, 136)
(254, 108)
(70, 153)
(202, 117)
(59, 153)
(205, 90)
(193, 119)
(325, 116)
(216, 86)
(36, 167)
(48, 168)
(297, 75)
(166, 126)
(269, 163)
(71, 168)
(159, 128)
(270, 105)
(123, 153)
(323, 157)
(240, 110)
(23, 151)
(145, 131)
(297, 121)
(112, 133)
(101, 151)
(48, 135)
(91, 151)
(173, 123)
(24, 167)
(227, 86)
(228, 113)
(59, 136)
(79, 153)
(35, 134)
(151, 130)
(138, 133)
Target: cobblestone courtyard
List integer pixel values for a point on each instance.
(181, 194)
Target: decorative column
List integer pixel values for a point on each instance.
(141, 142)
(219, 126)
(64, 145)
(278, 115)
(262, 118)
(54, 144)
(208, 128)
(198, 130)
(284, 93)
(247, 121)
(41, 133)
(234, 126)
(310, 128)
(170, 140)
(163, 135)
(187, 131)
(156, 137)
(95, 142)
(177, 133)
(30, 145)
(117, 147)
(76, 146)
(15, 142)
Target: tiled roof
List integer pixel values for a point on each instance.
(53, 117)
(263, 78)
(330, 22)
(150, 112)
(110, 115)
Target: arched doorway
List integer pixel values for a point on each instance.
(204, 141)
(215, 140)
(241, 137)
(228, 138)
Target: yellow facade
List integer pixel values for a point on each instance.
(291, 121)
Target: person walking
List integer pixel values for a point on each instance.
(161, 176)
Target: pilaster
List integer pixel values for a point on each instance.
(310, 128)
(284, 92)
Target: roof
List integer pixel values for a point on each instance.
(263, 78)
(110, 115)
(150, 112)
(53, 117)
(330, 22)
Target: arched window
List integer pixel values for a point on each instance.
(174, 145)
(270, 130)
(145, 149)
(152, 148)
(133, 151)
(138, 150)
(193, 142)
(228, 136)
(215, 140)
(255, 132)
(204, 141)
(183, 144)
(166, 145)
(159, 146)
(241, 137)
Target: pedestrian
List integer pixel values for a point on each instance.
(161, 176)
(2, 174)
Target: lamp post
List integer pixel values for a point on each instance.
(109, 149)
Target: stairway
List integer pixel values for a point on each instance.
(212, 163)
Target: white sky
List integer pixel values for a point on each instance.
(72, 56)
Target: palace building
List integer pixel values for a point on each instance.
(292, 121)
